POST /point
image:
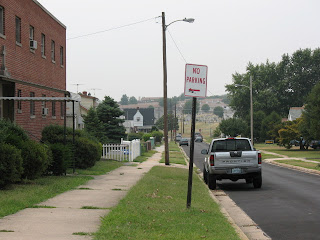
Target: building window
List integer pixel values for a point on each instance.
(18, 29)
(19, 102)
(61, 55)
(1, 20)
(53, 108)
(31, 33)
(62, 109)
(32, 105)
(43, 44)
(53, 56)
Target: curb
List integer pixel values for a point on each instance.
(297, 168)
(245, 227)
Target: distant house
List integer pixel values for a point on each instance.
(294, 113)
(76, 109)
(87, 102)
(140, 119)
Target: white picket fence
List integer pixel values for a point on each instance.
(126, 151)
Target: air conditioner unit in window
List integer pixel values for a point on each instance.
(33, 44)
(45, 111)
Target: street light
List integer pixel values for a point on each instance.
(251, 105)
(165, 109)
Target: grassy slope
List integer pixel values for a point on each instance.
(156, 209)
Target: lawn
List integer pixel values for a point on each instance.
(156, 209)
(20, 196)
(16, 197)
(293, 152)
(315, 166)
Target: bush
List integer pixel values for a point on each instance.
(35, 159)
(61, 158)
(87, 152)
(132, 136)
(157, 135)
(146, 136)
(10, 164)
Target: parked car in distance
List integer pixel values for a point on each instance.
(184, 141)
(198, 138)
(315, 144)
(178, 137)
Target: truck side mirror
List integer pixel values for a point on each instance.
(204, 151)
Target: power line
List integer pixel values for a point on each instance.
(111, 29)
(177, 46)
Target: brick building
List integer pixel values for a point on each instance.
(33, 64)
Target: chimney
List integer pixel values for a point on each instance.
(84, 93)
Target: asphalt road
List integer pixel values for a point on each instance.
(287, 207)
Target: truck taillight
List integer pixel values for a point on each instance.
(259, 158)
(211, 160)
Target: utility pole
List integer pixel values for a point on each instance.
(165, 109)
(175, 117)
(251, 110)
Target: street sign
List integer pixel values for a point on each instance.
(195, 84)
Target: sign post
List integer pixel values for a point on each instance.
(195, 86)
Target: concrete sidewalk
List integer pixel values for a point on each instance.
(68, 217)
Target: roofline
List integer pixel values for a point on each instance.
(50, 14)
(10, 79)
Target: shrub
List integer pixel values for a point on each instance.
(10, 164)
(61, 158)
(87, 152)
(35, 159)
(146, 136)
(132, 136)
(157, 135)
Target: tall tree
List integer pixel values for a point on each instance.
(172, 123)
(218, 111)
(205, 108)
(233, 127)
(124, 100)
(94, 126)
(133, 100)
(311, 115)
(187, 108)
(109, 114)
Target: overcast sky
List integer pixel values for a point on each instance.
(225, 36)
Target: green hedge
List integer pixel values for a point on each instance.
(61, 158)
(35, 160)
(87, 150)
(10, 164)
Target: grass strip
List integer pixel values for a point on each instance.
(267, 156)
(293, 152)
(101, 167)
(175, 155)
(155, 208)
(309, 165)
(20, 196)
(144, 156)
(83, 233)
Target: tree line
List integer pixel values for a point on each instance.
(292, 82)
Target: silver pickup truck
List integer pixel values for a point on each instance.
(234, 159)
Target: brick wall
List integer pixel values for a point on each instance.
(29, 65)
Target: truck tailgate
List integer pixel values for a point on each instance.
(229, 159)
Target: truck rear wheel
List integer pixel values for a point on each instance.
(212, 181)
(257, 182)
(205, 175)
